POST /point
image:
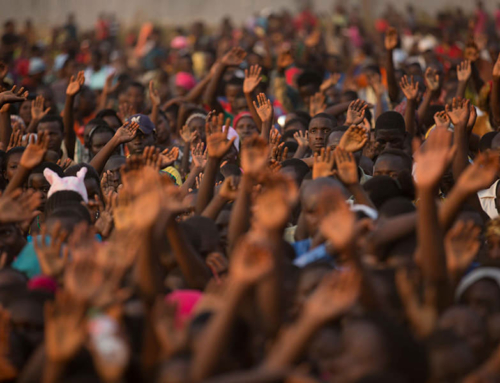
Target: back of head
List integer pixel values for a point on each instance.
(61, 199)
(48, 165)
(390, 121)
(396, 206)
(486, 141)
(91, 172)
(68, 215)
(381, 189)
(299, 167)
(309, 77)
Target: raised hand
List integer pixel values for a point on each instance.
(187, 136)
(480, 174)
(154, 96)
(51, 256)
(250, 262)
(285, 59)
(234, 57)
(125, 110)
(336, 294)
(17, 206)
(279, 153)
(471, 52)
(323, 163)
(330, 82)
(472, 118)
(37, 108)
(442, 119)
(461, 244)
(126, 132)
(199, 156)
(338, 225)
(104, 224)
(13, 95)
(35, 151)
(274, 138)
(75, 84)
(107, 184)
(464, 71)
(254, 155)
(347, 169)
(459, 111)
(64, 164)
(252, 78)
(433, 158)
(108, 84)
(409, 88)
(422, 315)
(264, 107)
(229, 188)
(375, 82)
(64, 327)
(302, 138)
(16, 138)
(391, 39)
(356, 112)
(431, 79)
(354, 139)
(217, 143)
(168, 157)
(317, 104)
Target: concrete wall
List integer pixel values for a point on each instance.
(178, 12)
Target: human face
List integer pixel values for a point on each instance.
(390, 138)
(232, 90)
(388, 165)
(162, 131)
(93, 188)
(38, 183)
(11, 241)
(319, 130)
(12, 165)
(306, 92)
(99, 140)
(334, 139)
(316, 204)
(25, 112)
(484, 297)
(362, 353)
(197, 125)
(135, 97)
(54, 132)
(493, 247)
(140, 141)
(239, 105)
(246, 127)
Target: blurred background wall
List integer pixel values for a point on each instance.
(177, 12)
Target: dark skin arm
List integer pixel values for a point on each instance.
(239, 222)
(252, 80)
(5, 126)
(206, 191)
(410, 90)
(74, 86)
(390, 42)
(495, 95)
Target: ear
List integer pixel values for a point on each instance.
(50, 176)
(81, 173)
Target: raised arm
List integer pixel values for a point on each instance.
(252, 80)
(495, 94)
(432, 82)
(265, 111)
(74, 86)
(7, 98)
(390, 42)
(463, 74)
(410, 90)
(37, 113)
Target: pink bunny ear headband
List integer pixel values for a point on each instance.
(76, 184)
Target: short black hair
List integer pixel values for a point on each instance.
(11, 152)
(486, 140)
(91, 172)
(135, 84)
(390, 121)
(408, 162)
(309, 77)
(381, 189)
(53, 118)
(326, 116)
(237, 81)
(48, 165)
(296, 120)
(108, 113)
(304, 115)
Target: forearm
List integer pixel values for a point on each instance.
(360, 196)
(100, 159)
(424, 106)
(214, 207)
(410, 117)
(461, 141)
(195, 93)
(266, 129)
(206, 191)
(301, 152)
(20, 177)
(211, 90)
(239, 221)
(461, 88)
(476, 78)
(392, 84)
(215, 337)
(193, 268)
(430, 238)
(32, 126)
(6, 129)
(148, 270)
(190, 180)
(185, 158)
(52, 371)
(155, 111)
(253, 112)
(69, 131)
(339, 108)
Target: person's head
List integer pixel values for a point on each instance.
(25, 110)
(315, 198)
(450, 357)
(390, 131)
(98, 138)
(373, 344)
(392, 163)
(110, 117)
(96, 60)
(38, 182)
(134, 95)
(335, 136)
(92, 180)
(320, 128)
(296, 124)
(145, 136)
(11, 162)
(295, 168)
(113, 167)
(163, 129)
(196, 123)
(12, 240)
(232, 89)
(480, 290)
(468, 325)
(309, 278)
(495, 143)
(381, 189)
(308, 84)
(85, 101)
(53, 127)
(68, 215)
(245, 125)
(492, 235)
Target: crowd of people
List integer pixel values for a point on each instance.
(294, 199)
